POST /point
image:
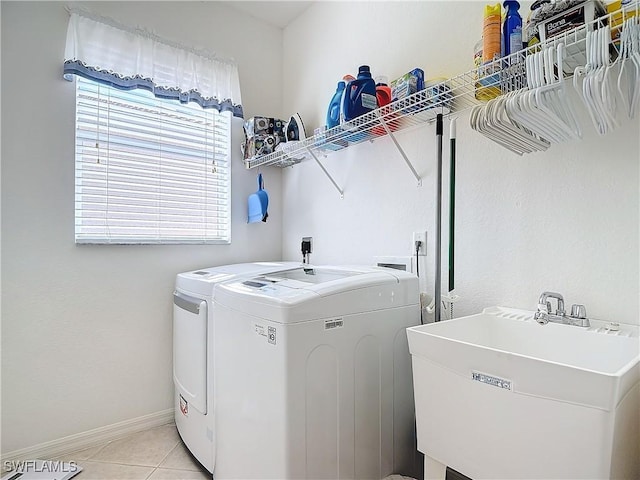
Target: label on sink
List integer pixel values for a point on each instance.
(491, 380)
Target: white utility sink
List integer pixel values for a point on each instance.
(500, 396)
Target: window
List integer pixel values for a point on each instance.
(149, 170)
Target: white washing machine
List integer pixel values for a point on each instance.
(313, 374)
(193, 354)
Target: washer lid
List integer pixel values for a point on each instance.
(325, 280)
(308, 293)
(201, 282)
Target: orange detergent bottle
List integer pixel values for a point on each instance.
(383, 96)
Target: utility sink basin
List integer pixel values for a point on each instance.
(500, 396)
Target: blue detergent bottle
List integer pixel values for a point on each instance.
(333, 113)
(359, 95)
(512, 28)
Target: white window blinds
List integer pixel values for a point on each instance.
(149, 170)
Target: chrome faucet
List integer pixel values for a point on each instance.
(544, 315)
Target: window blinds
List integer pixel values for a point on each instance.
(148, 170)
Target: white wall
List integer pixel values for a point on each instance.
(86, 330)
(566, 220)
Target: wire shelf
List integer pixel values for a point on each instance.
(452, 96)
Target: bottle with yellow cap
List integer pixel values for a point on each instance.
(486, 51)
(491, 32)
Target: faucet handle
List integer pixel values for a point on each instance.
(578, 311)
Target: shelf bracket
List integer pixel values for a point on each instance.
(400, 149)
(326, 172)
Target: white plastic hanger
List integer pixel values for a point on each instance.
(630, 65)
(540, 109)
(570, 116)
(493, 121)
(597, 43)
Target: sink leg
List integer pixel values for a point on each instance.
(434, 470)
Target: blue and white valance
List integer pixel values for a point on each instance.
(105, 51)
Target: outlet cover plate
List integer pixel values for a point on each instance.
(422, 237)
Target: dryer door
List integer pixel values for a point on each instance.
(190, 350)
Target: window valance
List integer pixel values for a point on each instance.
(127, 58)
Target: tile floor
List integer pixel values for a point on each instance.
(155, 454)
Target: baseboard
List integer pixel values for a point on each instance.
(90, 438)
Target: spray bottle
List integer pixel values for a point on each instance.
(512, 29)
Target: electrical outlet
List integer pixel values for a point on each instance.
(419, 237)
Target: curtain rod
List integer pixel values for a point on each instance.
(146, 33)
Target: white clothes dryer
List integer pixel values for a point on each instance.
(312, 374)
(193, 355)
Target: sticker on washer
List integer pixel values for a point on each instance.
(184, 406)
(268, 332)
(260, 329)
(333, 323)
(491, 380)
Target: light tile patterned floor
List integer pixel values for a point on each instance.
(155, 454)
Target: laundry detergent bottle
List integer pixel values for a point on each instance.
(359, 95)
(333, 113)
(512, 28)
(383, 91)
(383, 94)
